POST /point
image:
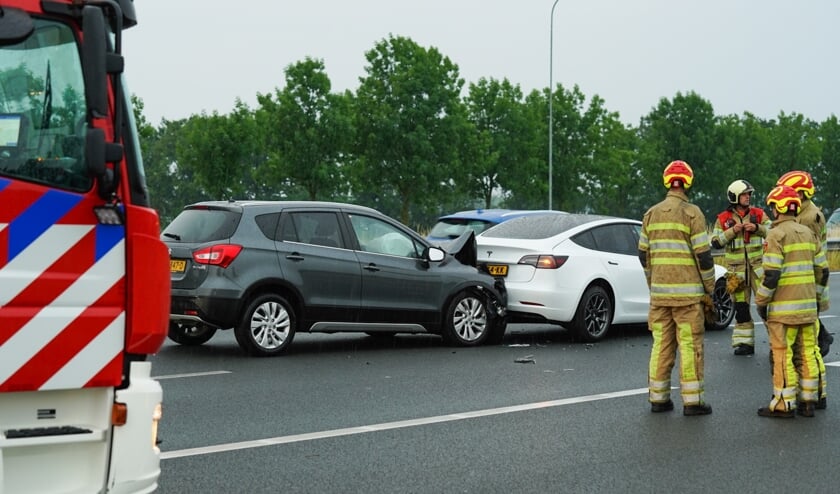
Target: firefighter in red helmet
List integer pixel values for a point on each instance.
(794, 283)
(675, 254)
(811, 215)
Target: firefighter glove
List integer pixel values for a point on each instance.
(762, 311)
(734, 282)
(709, 310)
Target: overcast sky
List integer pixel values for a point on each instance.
(763, 56)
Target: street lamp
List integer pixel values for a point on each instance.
(551, 106)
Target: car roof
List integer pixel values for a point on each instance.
(234, 204)
(545, 226)
(494, 215)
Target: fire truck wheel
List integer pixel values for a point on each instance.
(267, 326)
(194, 335)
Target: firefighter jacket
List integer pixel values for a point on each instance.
(795, 274)
(675, 253)
(812, 216)
(741, 248)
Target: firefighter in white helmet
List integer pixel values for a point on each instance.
(740, 230)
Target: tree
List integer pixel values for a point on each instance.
(410, 122)
(500, 143)
(223, 152)
(308, 132)
(682, 128)
(828, 191)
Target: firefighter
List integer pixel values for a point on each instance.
(677, 259)
(811, 215)
(740, 230)
(793, 287)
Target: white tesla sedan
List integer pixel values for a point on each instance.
(578, 270)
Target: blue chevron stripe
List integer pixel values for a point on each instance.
(107, 236)
(39, 217)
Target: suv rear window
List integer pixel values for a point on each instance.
(202, 225)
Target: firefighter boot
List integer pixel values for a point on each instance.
(805, 408)
(744, 350)
(691, 410)
(778, 414)
(662, 407)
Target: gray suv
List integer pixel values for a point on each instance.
(269, 269)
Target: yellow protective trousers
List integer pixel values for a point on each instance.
(818, 357)
(793, 382)
(744, 331)
(676, 329)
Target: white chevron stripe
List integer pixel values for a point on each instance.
(51, 320)
(91, 359)
(35, 259)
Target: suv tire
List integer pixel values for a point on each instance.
(267, 327)
(190, 335)
(468, 320)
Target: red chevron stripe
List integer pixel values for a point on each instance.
(16, 198)
(60, 275)
(13, 319)
(110, 375)
(81, 214)
(55, 354)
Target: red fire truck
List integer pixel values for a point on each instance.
(84, 278)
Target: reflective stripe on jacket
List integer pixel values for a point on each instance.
(798, 263)
(672, 240)
(740, 248)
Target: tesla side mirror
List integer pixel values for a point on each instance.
(435, 254)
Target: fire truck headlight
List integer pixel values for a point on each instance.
(109, 214)
(156, 415)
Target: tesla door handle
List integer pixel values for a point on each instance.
(372, 267)
(295, 257)
(612, 263)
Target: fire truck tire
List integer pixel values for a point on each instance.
(187, 335)
(267, 327)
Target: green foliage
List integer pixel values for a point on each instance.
(410, 144)
(308, 131)
(410, 123)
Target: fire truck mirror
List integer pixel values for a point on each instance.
(15, 26)
(94, 56)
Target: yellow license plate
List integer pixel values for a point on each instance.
(497, 269)
(177, 266)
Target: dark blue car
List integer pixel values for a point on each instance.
(451, 226)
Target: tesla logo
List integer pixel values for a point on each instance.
(489, 253)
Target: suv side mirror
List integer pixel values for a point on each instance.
(435, 254)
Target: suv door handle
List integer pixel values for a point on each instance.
(371, 267)
(295, 257)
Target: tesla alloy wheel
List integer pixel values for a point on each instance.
(594, 314)
(267, 326)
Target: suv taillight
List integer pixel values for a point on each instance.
(217, 255)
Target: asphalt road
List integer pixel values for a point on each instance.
(351, 413)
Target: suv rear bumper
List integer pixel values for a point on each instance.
(219, 310)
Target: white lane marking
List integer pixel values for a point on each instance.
(194, 374)
(832, 364)
(273, 441)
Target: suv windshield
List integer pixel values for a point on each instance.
(202, 225)
(42, 109)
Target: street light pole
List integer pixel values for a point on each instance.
(551, 106)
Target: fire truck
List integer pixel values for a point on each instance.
(84, 277)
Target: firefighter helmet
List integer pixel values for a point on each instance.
(736, 188)
(800, 181)
(678, 173)
(785, 199)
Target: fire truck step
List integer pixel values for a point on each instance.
(45, 431)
